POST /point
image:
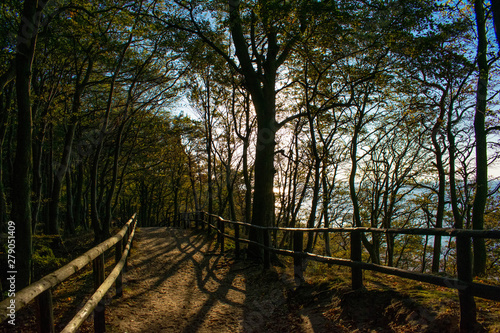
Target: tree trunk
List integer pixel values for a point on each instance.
(37, 171)
(263, 198)
(21, 184)
(246, 172)
(352, 176)
(6, 99)
(38, 143)
(317, 184)
(441, 183)
(77, 201)
(53, 222)
(208, 127)
(261, 87)
(495, 9)
(481, 144)
(69, 228)
(48, 171)
(326, 202)
(245, 138)
(101, 231)
(121, 182)
(458, 218)
(106, 224)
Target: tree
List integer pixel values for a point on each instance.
(481, 140)
(263, 36)
(21, 184)
(53, 224)
(261, 83)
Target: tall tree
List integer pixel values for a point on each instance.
(101, 227)
(261, 83)
(263, 36)
(21, 184)
(80, 84)
(481, 139)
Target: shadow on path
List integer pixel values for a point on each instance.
(178, 281)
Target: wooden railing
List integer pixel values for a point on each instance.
(467, 289)
(42, 289)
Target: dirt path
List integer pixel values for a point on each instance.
(178, 282)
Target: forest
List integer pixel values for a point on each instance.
(287, 113)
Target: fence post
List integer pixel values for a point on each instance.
(118, 281)
(45, 312)
(209, 223)
(124, 242)
(217, 224)
(464, 271)
(267, 253)
(222, 231)
(356, 272)
(99, 317)
(132, 226)
(298, 244)
(237, 241)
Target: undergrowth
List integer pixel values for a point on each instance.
(388, 302)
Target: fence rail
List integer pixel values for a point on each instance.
(42, 289)
(467, 289)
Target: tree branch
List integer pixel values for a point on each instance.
(491, 129)
(8, 76)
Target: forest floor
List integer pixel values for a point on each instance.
(177, 281)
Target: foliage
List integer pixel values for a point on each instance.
(44, 259)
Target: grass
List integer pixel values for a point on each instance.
(425, 307)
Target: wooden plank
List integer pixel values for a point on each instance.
(493, 234)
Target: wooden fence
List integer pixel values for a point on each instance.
(42, 289)
(467, 289)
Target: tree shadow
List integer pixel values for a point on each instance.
(220, 294)
(173, 251)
